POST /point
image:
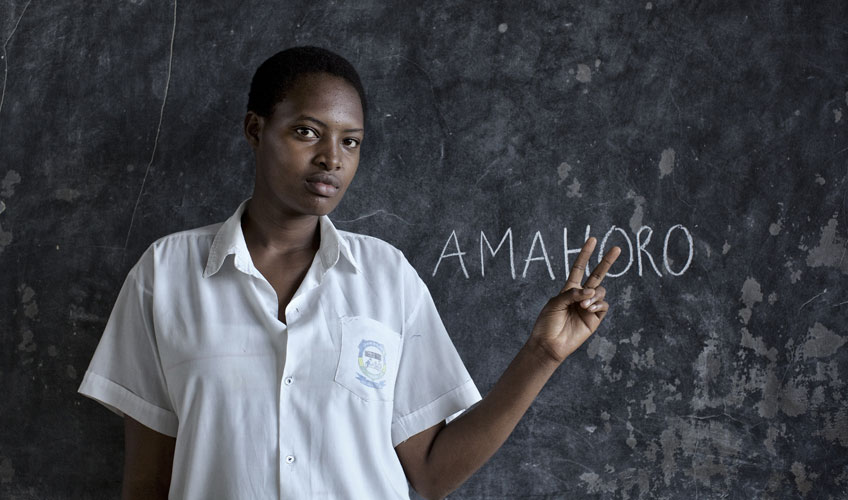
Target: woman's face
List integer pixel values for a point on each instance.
(307, 151)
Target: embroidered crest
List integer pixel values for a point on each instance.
(372, 364)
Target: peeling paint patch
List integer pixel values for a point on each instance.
(5, 239)
(643, 362)
(794, 275)
(648, 403)
(820, 180)
(31, 310)
(772, 298)
(821, 342)
(638, 210)
(725, 248)
(666, 162)
(11, 180)
(594, 484)
(71, 372)
(502, 28)
(837, 115)
(801, 482)
(7, 472)
(767, 407)
(600, 347)
(771, 437)
(751, 294)
(836, 427)
(574, 190)
(793, 399)
(758, 345)
(708, 249)
(776, 227)
(698, 449)
(27, 345)
(584, 73)
(28, 300)
(635, 338)
(66, 194)
(626, 297)
(562, 171)
(831, 250)
(2, 207)
(631, 439)
(649, 6)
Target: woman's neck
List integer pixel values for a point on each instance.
(270, 230)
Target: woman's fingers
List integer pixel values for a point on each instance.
(601, 269)
(581, 263)
(575, 276)
(568, 297)
(600, 293)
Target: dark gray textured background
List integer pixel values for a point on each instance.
(728, 118)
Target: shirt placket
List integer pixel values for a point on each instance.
(293, 442)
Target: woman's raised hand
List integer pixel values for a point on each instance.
(569, 318)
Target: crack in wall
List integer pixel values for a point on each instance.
(6, 59)
(158, 127)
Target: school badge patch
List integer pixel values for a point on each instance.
(372, 364)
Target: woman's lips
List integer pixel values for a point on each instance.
(323, 184)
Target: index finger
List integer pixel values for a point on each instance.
(601, 269)
(575, 276)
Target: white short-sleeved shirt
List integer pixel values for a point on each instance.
(262, 409)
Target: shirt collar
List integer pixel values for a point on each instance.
(230, 240)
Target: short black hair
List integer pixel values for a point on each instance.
(278, 73)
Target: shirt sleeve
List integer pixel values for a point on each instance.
(125, 374)
(432, 382)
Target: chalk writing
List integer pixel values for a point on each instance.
(640, 253)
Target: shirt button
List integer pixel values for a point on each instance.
(289, 380)
(289, 459)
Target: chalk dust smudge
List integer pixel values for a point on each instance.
(584, 73)
(666, 162)
(562, 171)
(638, 210)
(574, 190)
(11, 180)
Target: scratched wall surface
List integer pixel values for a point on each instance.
(708, 139)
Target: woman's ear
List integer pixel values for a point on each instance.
(253, 124)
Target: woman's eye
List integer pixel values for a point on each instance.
(351, 143)
(306, 132)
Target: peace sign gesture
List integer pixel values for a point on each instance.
(568, 319)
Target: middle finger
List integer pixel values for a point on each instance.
(601, 269)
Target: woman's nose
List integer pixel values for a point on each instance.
(329, 158)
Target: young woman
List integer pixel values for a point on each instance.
(273, 356)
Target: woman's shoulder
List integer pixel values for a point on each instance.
(176, 250)
(372, 252)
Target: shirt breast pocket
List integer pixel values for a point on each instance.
(369, 358)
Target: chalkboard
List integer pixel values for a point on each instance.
(708, 139)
